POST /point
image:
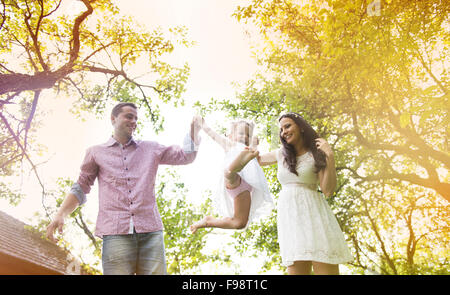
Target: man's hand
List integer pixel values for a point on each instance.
(57, 223)
(196, 126)
(69, 204)
(198, 122)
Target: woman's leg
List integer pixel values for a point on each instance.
(321, 268)
(300, 268)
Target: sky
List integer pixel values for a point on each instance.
(222, 55)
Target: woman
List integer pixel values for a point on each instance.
(308, 233)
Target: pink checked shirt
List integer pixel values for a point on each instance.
(126, 179)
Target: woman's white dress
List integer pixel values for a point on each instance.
(307, 228)
(252, 173)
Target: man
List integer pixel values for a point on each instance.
(128, 220)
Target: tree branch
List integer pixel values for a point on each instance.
(411, 245)
(21, 82)
(3, 14)
(103, 47)
(34, 34)
(52, 11)
(432, 182)
(31, 115)
(377, 234)
(86, 230)
(428, 70)
(416, 140)
(76, 33)
(19, 144)
(441, 188)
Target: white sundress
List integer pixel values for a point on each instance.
(252, 173)
(307, 228)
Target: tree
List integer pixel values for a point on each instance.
(380, 81)
(406, 234)
(91, 55)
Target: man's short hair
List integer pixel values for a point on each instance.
(118, 108)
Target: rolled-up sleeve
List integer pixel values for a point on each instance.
(78, 192)
(88, 174)
(189, 145)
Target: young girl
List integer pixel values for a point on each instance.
(244, 195)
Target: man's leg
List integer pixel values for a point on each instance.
(119, 255)
(151, 255)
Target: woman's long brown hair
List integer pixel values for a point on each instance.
(309, 136)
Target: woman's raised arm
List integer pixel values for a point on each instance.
(269, 158)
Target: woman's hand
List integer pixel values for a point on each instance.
(327, 176)
(323, 145)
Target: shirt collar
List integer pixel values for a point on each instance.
(112, 141)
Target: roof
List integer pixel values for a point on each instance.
(20, 243)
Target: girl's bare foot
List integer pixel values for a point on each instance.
(242, 159)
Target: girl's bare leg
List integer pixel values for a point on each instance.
(239, 220)
(242, 201)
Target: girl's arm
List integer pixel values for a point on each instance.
(327, 176)
(221, 140)
(269, 158)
